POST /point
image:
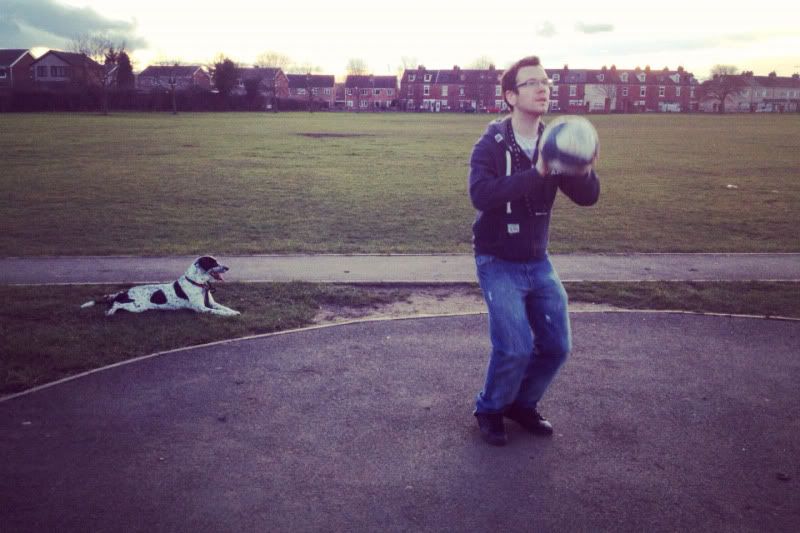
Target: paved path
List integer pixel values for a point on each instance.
(401, 268)
(663, 423)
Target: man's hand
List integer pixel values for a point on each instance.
(541, 167)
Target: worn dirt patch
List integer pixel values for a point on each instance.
(314, 135)
(426, 301)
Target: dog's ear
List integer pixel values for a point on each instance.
(206, 262)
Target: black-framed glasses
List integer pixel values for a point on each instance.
(535, 83)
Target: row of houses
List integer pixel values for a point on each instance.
(603, 90)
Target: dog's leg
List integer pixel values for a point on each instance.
(218, 307)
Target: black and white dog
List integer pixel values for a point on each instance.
(191, 291)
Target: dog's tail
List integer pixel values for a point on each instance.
(107, 299)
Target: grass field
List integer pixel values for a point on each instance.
(253, 183)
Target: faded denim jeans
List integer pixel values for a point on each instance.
(529, 329)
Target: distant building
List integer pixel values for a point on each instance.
(370, 93)
(58, 71)
(271, 82)
(760, 94)
(184, 77)
(313, 87)
(15, 70)
(455, 89)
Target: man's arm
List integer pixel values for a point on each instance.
(583, 190)
(487, 190)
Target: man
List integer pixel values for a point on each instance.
(510, 186)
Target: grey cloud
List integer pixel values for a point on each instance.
(546, 29)
(594, 28)
(24, 23)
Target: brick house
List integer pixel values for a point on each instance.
(15, 70)
(313, 87)
(66, 71)
(272, 82)
(628, 91)
(455, 89)
(370, 93)
(760, 94)
(185, 77)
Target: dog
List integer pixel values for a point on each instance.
(191, 291)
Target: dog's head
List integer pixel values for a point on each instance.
(206, 268)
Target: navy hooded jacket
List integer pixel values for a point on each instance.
(513, 200)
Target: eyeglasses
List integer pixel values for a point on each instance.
(543, 82)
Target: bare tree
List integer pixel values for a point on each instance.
(303, 68)
(273, 60)
(357, 67)
(725, 82)
(102, 50)
(482, 63)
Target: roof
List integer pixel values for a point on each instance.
(9, 56)
(374, 82)
(165, 71)
(301, 81)
(262, 73)
(72, 58)
(777, 81)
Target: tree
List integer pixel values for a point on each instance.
(251, 87)
(125, 79)
(101, 49)
(302, 68)
(725, 82)
(270, 59)
(224, 75)
(482, 63)
(357, 67)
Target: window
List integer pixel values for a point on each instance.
(364, 92)
(315, 91)
(624, 77)
(364, 103)
(328, 91)
(390, 92)
(677, 91)
(348, 92)
(624, 91)
(498, 90)
(573, 90)
(3, 73)
(301, 91)
(58, 72)
(556, 77)
(601, 77)
(426, 90)
(349, 103)
(444, 91)
(376, 92)
(411, 92)
(662, 91)
(554, 91)
(41, 72)
(642, 90)
(460, 91)
(691, 92)
(427, 78)
(412, 77)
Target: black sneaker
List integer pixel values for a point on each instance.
(530, 419)
(492, 429)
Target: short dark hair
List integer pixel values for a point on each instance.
(508, 81)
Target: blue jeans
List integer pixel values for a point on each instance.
(529, 330)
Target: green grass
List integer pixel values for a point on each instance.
(221, 183)
(47, 337)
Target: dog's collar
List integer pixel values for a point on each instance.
(206, 286)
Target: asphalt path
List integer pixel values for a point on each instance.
(401, 268)
(664, 422)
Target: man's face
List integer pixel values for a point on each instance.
(533, 91)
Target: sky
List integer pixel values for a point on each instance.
(694, 34)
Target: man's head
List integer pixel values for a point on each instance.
(525, 85)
